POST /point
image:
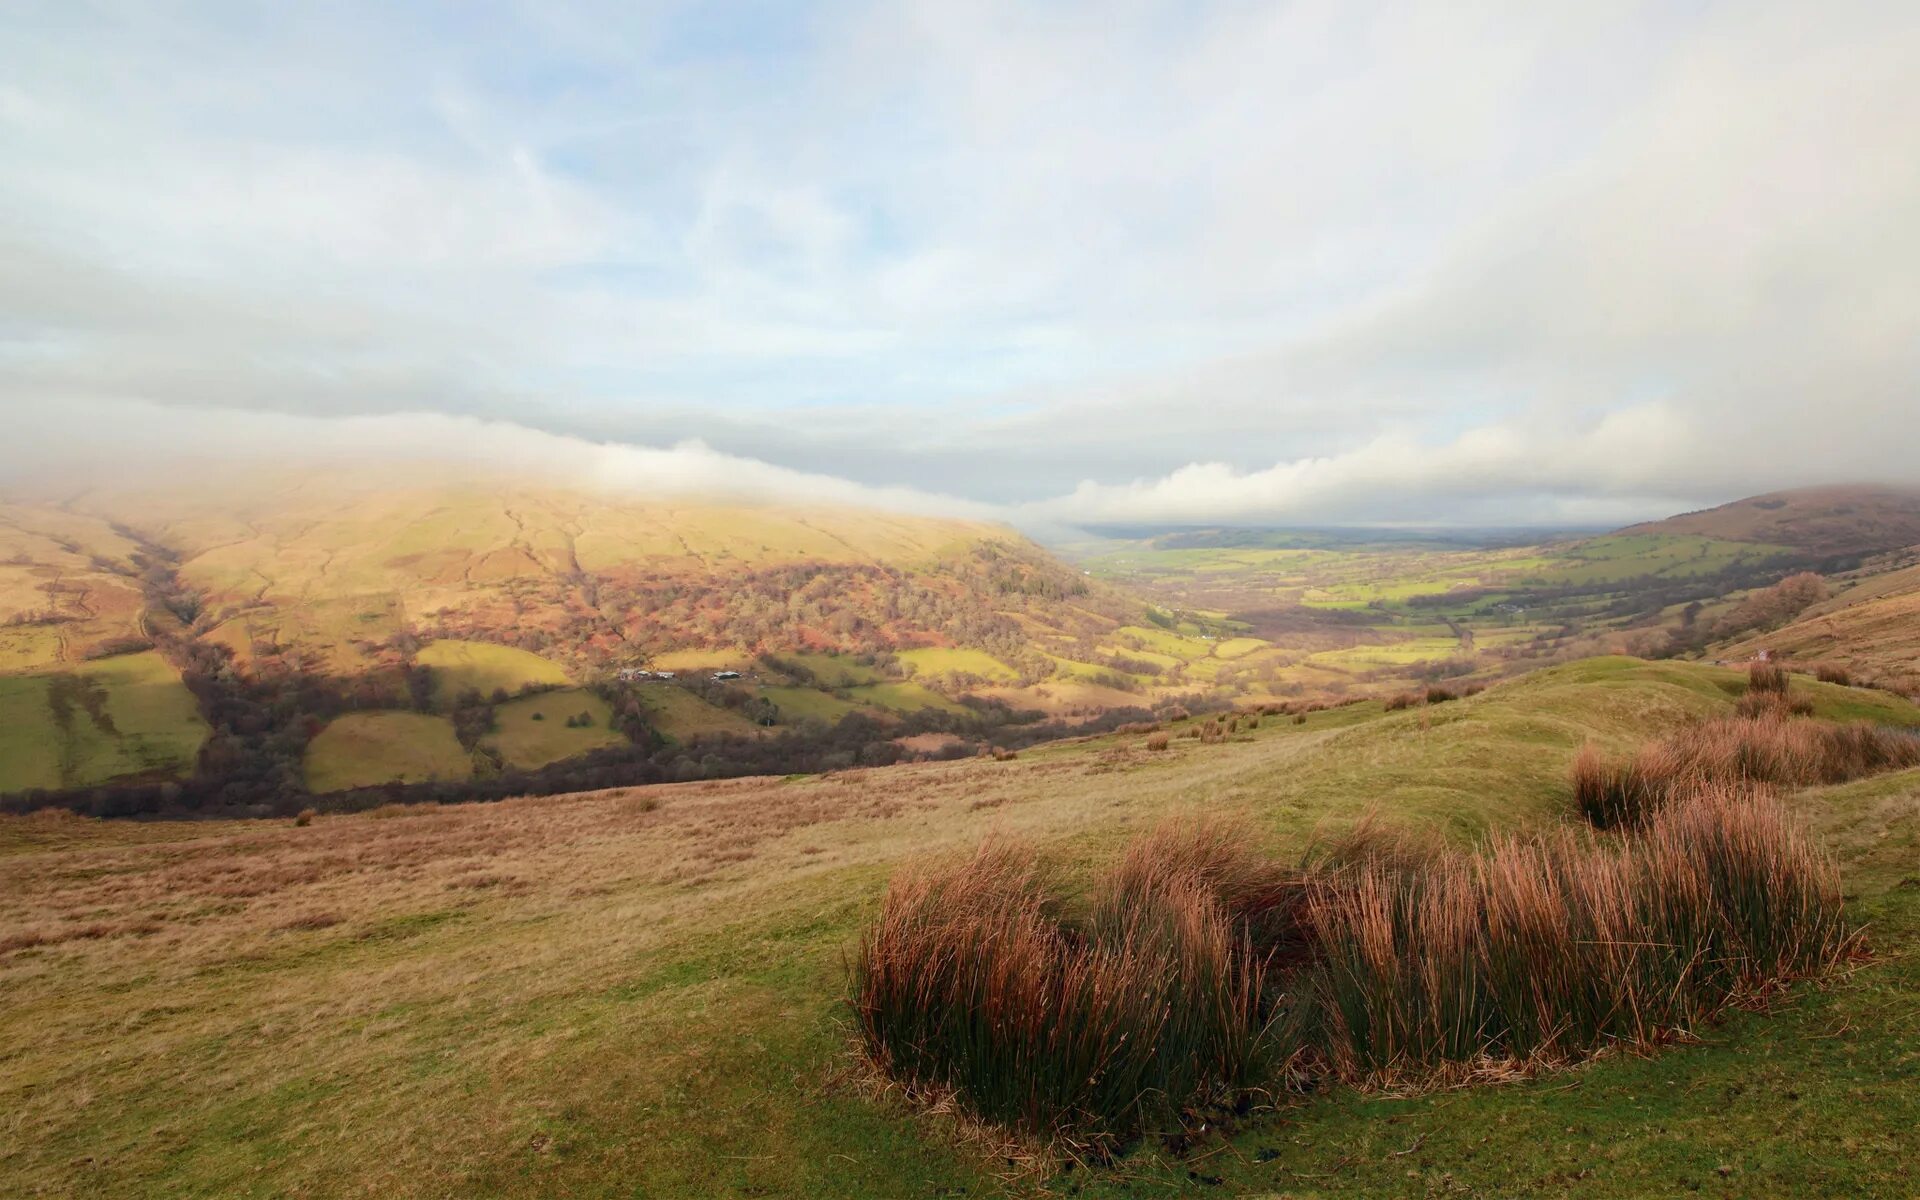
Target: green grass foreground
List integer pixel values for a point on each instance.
(640, 993)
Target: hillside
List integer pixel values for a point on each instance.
(1825, 522)
(1869, 627)
(415, 607)
(233, 625)
(638, 991)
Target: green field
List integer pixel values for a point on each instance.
(679, 714)
(834, 670)
(483, 666)
(803, 704)
(108, 719)
(935, 661)
(368, 749)
(639, 992)
(533, 731)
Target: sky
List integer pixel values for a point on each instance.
(1476, 263)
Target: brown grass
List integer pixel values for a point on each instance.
(970, 986)
(1771, 748)
(1767, 677)
(1538, 951)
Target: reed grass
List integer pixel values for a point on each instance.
(1198, 968)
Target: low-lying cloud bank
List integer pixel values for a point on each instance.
(60, 449)
(1647, 461)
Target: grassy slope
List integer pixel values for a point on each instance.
(148, 724)
(366, 749)
(526, 742)
(598, 997)
(679, 714)
(483, 666)
(1872, 629)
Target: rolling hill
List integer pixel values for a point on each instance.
(415, 608)
(411, 609)
(1825, 522)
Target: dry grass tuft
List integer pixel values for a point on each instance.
(1542, 950)
(974, 985)
(1203, 967)
(1771, 748)
(1767, 677)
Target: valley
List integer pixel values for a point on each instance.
(268, 643)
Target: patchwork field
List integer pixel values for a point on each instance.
(803, 704)
(483, 667)
(534, 731)
(955, 661)
(108, 719)
(679, 714)
(638, 992)
(373, 748)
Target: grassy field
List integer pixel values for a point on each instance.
(834, 670)
(803, 704)
(934, 661)
(679, 714)
(103, 720)
(371, 748)
(533, 731)
(637, 993)
(483, 667)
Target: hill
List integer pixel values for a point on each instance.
(420, 604)
(638, 991)
(1824, 522)
(1870, 627)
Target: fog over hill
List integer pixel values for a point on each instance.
(1205, 264)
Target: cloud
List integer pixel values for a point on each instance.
(133, 444)
(1313, 261)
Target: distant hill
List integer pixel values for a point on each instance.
(1823, 522)
(1870, 627)
(253, 639)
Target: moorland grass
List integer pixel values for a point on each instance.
(1768, 748)
(1202, 967)
(643, 993)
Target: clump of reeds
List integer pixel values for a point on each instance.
(1542, 950)
(1770, 748)
(1198, 968)
(1763, 676)
(1754, 705)
(971, 985)
(1158, 741)
(1833, 673)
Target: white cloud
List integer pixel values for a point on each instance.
(60, 449)
(1267, 262)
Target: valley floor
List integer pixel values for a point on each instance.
(638, 993)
